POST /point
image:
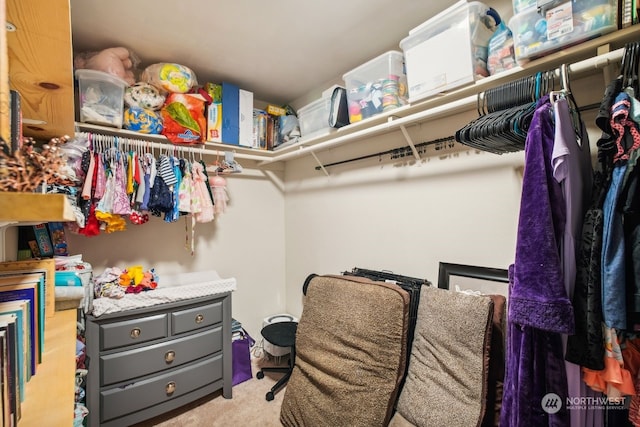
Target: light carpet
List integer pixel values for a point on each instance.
(248, 407)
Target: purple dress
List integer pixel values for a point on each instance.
(539, 308)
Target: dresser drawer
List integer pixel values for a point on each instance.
(134, 331)
(196, 318)
(130, 364)
(137, 396)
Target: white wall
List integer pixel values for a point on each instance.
(404, 217)
(246, 243)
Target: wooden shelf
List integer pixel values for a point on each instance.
(34, 207)
(49, 395)
(41, 65)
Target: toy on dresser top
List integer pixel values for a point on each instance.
(115, 282)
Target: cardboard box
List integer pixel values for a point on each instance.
(230, 113)
(214, 112)
(43, 240)
(245, 118)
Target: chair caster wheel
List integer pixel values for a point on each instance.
(270, 396)
(260, 375)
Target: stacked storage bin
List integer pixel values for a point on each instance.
(376, 86)
(449, 50)
(539, 31)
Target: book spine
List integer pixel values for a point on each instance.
(15, 121)
(627, 15)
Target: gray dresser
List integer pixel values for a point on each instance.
(145, 362)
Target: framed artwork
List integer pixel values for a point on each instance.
(486, 280)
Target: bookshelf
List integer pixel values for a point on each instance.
(34, 207)
(49, 396)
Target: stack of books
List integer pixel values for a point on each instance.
(236, 330)
(24, 298)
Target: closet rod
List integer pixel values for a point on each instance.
(406, 150)
(169, 146)
(460, 105)
(402, 152)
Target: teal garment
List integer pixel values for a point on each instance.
(634, 109)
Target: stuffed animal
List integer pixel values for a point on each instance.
(142, 120)
(118, 61)
(143, 95)
(169, 77)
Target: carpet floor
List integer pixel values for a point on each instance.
(248, 407)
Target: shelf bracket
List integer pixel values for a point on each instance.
(320, 164)
(410, 142)
(274, 179)
(608, 67)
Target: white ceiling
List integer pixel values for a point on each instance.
(280, 50)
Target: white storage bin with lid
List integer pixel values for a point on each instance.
(101, 97)
(537, 33)
(448, 50)
(314, 118)
(376, 86)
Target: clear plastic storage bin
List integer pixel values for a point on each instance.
(101, 98)
(448, 50)
(522, 5)
(536, 34)
(314, 118)
(376, 86)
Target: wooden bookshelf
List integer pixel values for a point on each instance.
(49, 395)
(4, 78)
(34, 207)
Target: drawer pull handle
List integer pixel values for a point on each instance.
(170, 388)
(135, 333)
(169, 356)
(199, 318)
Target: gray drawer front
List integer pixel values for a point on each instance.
(133, 331)
(142, 361)
(196, 318)
(143, 394)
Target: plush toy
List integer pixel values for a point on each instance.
(168, 77)
(147, 281)
(124, 279)
(143, 95)
(118, 61)
(142, 120)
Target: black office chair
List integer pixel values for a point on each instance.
(282, 334)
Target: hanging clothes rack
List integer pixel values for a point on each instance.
(143, 144)
(397, 153)
(160, 142)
